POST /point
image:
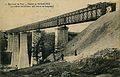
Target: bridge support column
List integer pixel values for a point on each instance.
(36, 35)
(15, 51)
(61, 37)
(117, 5)
(10, 46)
(23, 55)
(10, 42)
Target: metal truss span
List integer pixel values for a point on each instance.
(90, 13)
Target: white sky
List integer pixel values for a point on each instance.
(15, 17)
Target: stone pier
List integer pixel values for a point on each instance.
(10, 42)
(15, 51)
(36, 35)
(61, 37)
(23, 55)
(10, 47)
(118, 5)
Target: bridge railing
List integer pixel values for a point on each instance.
(90, 13)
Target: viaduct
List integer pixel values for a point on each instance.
(21, 40)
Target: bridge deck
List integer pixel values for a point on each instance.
(90, 13)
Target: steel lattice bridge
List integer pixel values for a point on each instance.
(24, 43)
(90, 13)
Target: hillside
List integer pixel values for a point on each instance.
(101, 34)
(98, 46)
(103, 64)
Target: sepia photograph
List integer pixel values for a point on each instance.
(59, 38)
